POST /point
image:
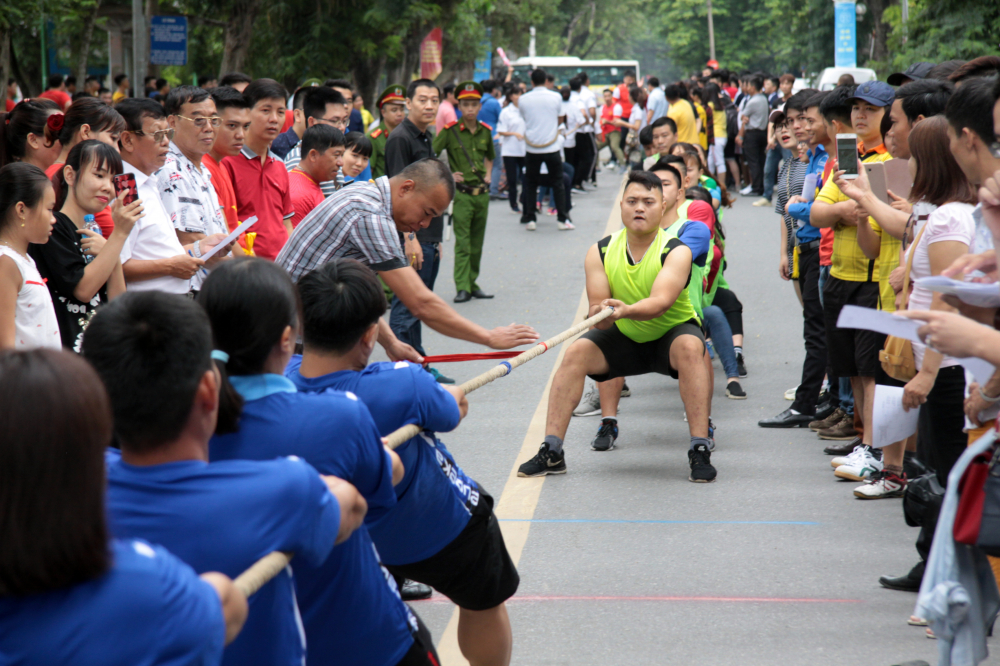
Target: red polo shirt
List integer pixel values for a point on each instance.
(306, 194)
(262, 190)
(57, 96)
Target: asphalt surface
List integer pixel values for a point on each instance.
(626, 561)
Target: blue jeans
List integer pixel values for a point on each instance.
(402, 322)
(497, 169)
(771, 166)
(839, 386)
(722, 338)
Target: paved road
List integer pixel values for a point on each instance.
(626, 562)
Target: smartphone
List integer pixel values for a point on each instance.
(847, 155)
(125, 182)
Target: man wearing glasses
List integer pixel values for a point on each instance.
(186, 189)
(153, 257)
(325, 106)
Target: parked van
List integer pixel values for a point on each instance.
(827, 79)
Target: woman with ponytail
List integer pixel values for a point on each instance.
(25, 135)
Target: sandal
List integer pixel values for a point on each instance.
(915, 621)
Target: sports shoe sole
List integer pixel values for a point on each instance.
(542, 473)
(893, 494)
(836, 438)
(593, 412)
(610, 448)
(693, 480)
(847, 475)
(735, 397)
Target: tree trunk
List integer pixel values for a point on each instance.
(880, 31)
(28, 84)
(239, 31)
(5, 69)
(366, 73)
(85, 36)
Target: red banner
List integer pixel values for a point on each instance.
(431, 49)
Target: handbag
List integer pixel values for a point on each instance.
(897, 355)
(977, 519)
(922, 495)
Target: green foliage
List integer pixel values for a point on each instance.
(941, 30)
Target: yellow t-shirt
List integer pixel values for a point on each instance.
(848, 262)
(681, 113)
(719, 116)
(117, 97)
(703, 134)
(888, 261)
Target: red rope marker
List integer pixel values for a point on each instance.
(457, 358)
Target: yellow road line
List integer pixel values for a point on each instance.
(520, 496)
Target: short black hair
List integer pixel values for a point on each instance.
(151, 349)
(663, 165)
(488, 86)
(971, 105)
(226, 97)
(70, 80)
(837, 105)
(800, 100)
(538, 77)
(261, 89)
(664, 120)
(299, 96)
(54, 81)
(653, 81)
(182, 95)
(134, 109)
(234, 77)
(646, 136)
(120, 78)
(147, 79)
(817, 99)
(673, 91)
(208, 77)
(339, 83)
(90, 77)
(698, 193)
(340, 301)
(316, 99)
(411, 89)
(160, 83)
(358, 143)
(924, 97)
(676, 161)
(575, 84)
(448, 89)
(321, 138)
(646, 179)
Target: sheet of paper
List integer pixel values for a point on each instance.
(891, 422)
(978, 294)
(249, 222)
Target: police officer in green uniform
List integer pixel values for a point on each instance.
(470, 155)
(392, 108)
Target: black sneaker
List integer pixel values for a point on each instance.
(606, 435)
(741, 366)
(414, 591)
(734, 391)
(544, 462)
(701, 464)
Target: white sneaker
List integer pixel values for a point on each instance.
(790, 393)
(565, 226)
(531, 226)
(861, 469)
(881, 485)
(850, 458)
(761, 203)
(746, 190)
(590, 403)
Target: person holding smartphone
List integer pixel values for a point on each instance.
(81, 269)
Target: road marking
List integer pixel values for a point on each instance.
(519, 498)
(752, 600)
(659, 522)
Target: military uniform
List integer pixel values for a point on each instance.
(467, 152)
(394, 94)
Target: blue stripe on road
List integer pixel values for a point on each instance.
(659, 522)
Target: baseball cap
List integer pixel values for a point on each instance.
(878, 93)
(915, 72)
(777, 117)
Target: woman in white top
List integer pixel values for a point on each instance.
(510, 129)
(636, 120)
(27, 318)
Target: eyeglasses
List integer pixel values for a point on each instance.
(200, 122)
(339, 124)
(157, 136)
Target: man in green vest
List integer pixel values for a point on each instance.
(642, 272)
(392, 108)
(470, 156)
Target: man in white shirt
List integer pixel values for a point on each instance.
(153, 257)
(541, 109)
(585, 145)
(589, 100)
(656, 102)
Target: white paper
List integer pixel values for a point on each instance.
(978, 294)
(891, 422)
(249, 222)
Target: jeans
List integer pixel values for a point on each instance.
(813, 332)
(771, 165)
(722, 338)
(532, 168)
(401, 320)
(840, 387)
(754, 150)
(498, 167)
(514, 166)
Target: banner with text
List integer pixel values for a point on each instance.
(431, 49)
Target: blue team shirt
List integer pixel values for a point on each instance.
(350, 607)
(224, 517)
(490, 113)
(435, 497)
(696, 235)
(148, 609)
(801, 211)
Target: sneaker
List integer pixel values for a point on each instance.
(790, 393)
(746, 190)
(626, 391)
(843, 431)
(882, 485)
(439, 378)
(864, 468)
(741, 366)
(842, 449)
(711, 434)
(701, 464)
(552, 212)
(851, 457)
(590, 403)
(830, 421)
(565, 226)
(580, 190)
(760, 203)
(411, 590)
(606, 435)
(531, 226)
(544, 462)
(734, 391)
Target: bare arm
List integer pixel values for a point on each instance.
(398, 471)
(107, 259)
(459, 395)
(181, 266)
(784, 270)
(10, 285)
(234, 604)
(824, 215)
(598, 288)
(869, 241)
(353, 506)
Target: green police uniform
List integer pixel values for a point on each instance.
(394, 94)
(467, 152)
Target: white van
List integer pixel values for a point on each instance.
(827, 79)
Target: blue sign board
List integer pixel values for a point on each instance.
(845, 34)
(484, 65)
(168, 40)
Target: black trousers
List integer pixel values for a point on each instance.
(755, 152)
(585, 153)
(730, 305)
(513, 166)
(532, 166)
(813, 332)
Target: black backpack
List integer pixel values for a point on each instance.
(732, 122)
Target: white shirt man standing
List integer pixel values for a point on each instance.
(656, 103)
(542, 110)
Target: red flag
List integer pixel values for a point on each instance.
(431, 49)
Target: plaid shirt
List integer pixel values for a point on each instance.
(356, 222)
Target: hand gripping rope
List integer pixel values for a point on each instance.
(272, 564)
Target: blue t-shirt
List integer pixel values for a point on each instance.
(435, 496)
(490, 113)
(148, 609)
(350, 607)
(696, 235)
(224, 517)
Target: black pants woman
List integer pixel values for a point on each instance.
(514, 166)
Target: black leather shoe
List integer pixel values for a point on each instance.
(824, 410)
(843, 449)
(908, 583)
(479, 293)
(787, 419)
(463, 296)
(414, 591)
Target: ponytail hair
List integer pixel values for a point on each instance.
(84, 154)
(28, 117)
(20, 182)
(92, 112)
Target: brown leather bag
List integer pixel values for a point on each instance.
(897, 356)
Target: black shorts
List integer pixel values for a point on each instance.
(627, 358)
(474, 570)
(422, 652)
(852, 352)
